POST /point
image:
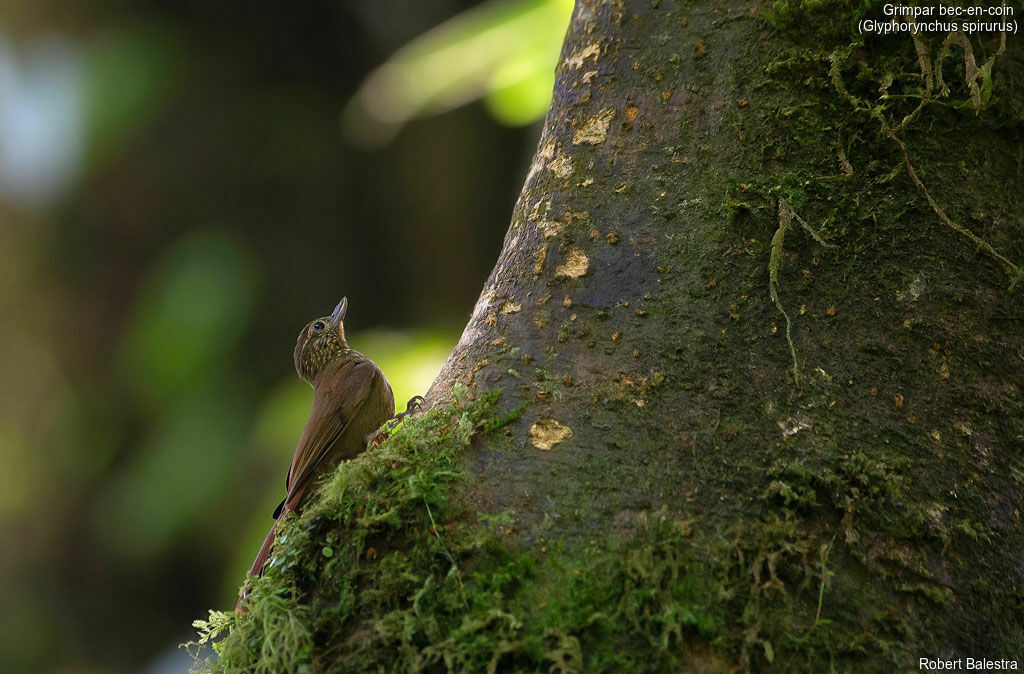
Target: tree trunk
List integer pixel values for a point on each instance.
(759, 373)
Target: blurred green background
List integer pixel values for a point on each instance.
(183, 185)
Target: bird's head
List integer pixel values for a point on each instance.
(320, 342)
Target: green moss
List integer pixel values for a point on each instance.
(385, 571)
(382, 573)
(831, 20)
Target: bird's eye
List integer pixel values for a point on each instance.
(319, 325)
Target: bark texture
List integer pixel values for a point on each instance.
(629, 313)
(759, 372)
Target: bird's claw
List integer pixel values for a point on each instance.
(377, 438)
(413, 405)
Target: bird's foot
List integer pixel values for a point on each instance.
(411, 407)
(377, 438)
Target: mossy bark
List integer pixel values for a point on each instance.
(669, 481)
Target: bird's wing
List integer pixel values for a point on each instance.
(336, 403)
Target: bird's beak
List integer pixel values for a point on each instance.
(339, 312)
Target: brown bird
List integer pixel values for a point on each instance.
(351, 400)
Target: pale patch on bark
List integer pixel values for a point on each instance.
(550, 228)
(547, 433)
(545, 154)
(595, 129)
(541, 256)
(576, 264)
(791, 427)
(577, 59)
(912, 292)
(535, 213)
(562, 165)
(509, 307)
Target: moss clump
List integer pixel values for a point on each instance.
(361, 563)
(385, 571)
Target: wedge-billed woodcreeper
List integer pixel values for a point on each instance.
(351, 400)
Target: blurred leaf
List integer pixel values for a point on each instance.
(130, 73)
(410, 360)
(504, 49)
(67, 442)
(175, 482)
(283, 415)
(520, 90)
(188, 317)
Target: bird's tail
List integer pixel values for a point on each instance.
(257, 566)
